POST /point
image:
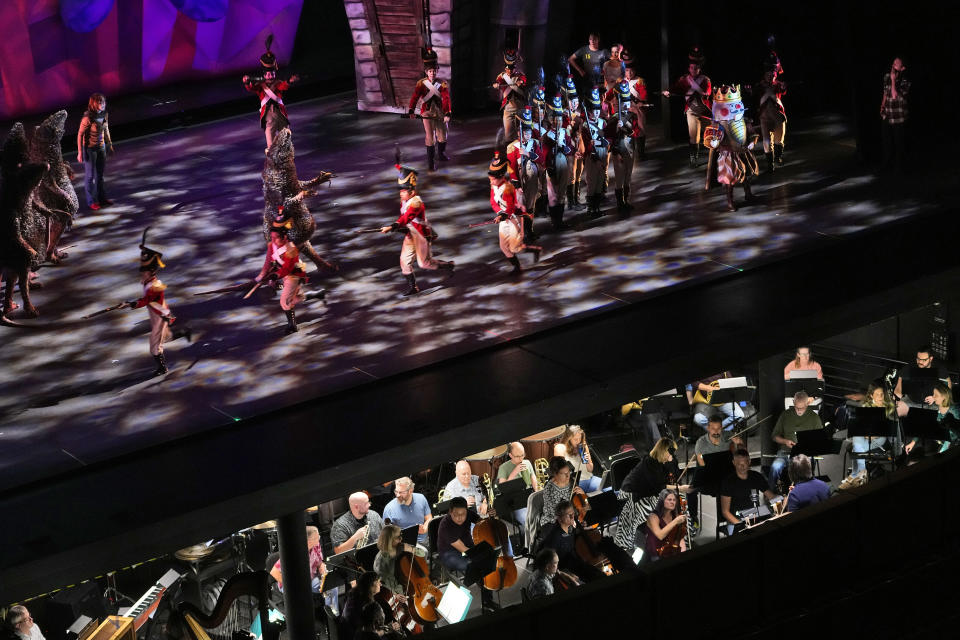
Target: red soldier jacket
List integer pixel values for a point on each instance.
(512, 88)
(153, 298)
(697, 97)
(413, 213)
(431, 96)
(503, 199)
(535, 150)
(264, 92)
(286, 259)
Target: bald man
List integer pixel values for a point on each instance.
(517, 466)
(359, 525)
(466, 485)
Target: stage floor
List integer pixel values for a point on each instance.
(74, 392)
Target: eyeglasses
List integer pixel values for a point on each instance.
(27, 619)
(927, 359)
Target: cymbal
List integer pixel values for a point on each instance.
(269, 524)
(195, 552)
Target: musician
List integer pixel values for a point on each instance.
(805, 489)
(916, 387)
(557, 489)
(360, 524)
(408, 508)
(803, 361)
(797, 418)
(22, 624)
(715, 439)
(368, 586)
(545, 567)
(561, 536)
(317, 569)
(390, 545)
(698, 395)
(454, 538)
(517, 466)
(876, 396)
(466, 485)
(948, 417)
(373, 624)
(737, 490)
(664, 518)
(643, 486)
(574, 449)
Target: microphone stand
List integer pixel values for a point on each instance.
(888, 389)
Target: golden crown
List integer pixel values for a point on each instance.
(727, 93)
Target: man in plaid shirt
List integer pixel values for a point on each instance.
(893, 115)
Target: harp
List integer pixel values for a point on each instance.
(242, 599)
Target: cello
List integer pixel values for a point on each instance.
(412, 571)
(493, 531)
(400, 610)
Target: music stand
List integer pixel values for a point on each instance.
(803, 381)
(815, 443)
(344, 566)
(870, 423)
(734, 395)
(920, 381)
(411, 535)
(366, 555)
(716, 467)
(513, 497)
(922, 424)
(665, 405)
(604, 509)
(481, 562)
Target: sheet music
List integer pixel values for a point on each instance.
(730, 383)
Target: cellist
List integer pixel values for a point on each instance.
(665, 533)
(454, 537)
(561, 536)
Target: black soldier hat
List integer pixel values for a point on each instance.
(281, 223)
(429, 57)
(696, 56)
(627, 57)
(268, 61)
(510, 56)
(407, 180)
(772, 62)
(498, 166)
(150, 259)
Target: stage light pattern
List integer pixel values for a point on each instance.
(80, 390)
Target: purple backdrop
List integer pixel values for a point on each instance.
(56, 53)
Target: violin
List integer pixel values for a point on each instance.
(563, 582)
(580, 502)
(399, 609)
(493, 531)
(412, 570)
(586, 547)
